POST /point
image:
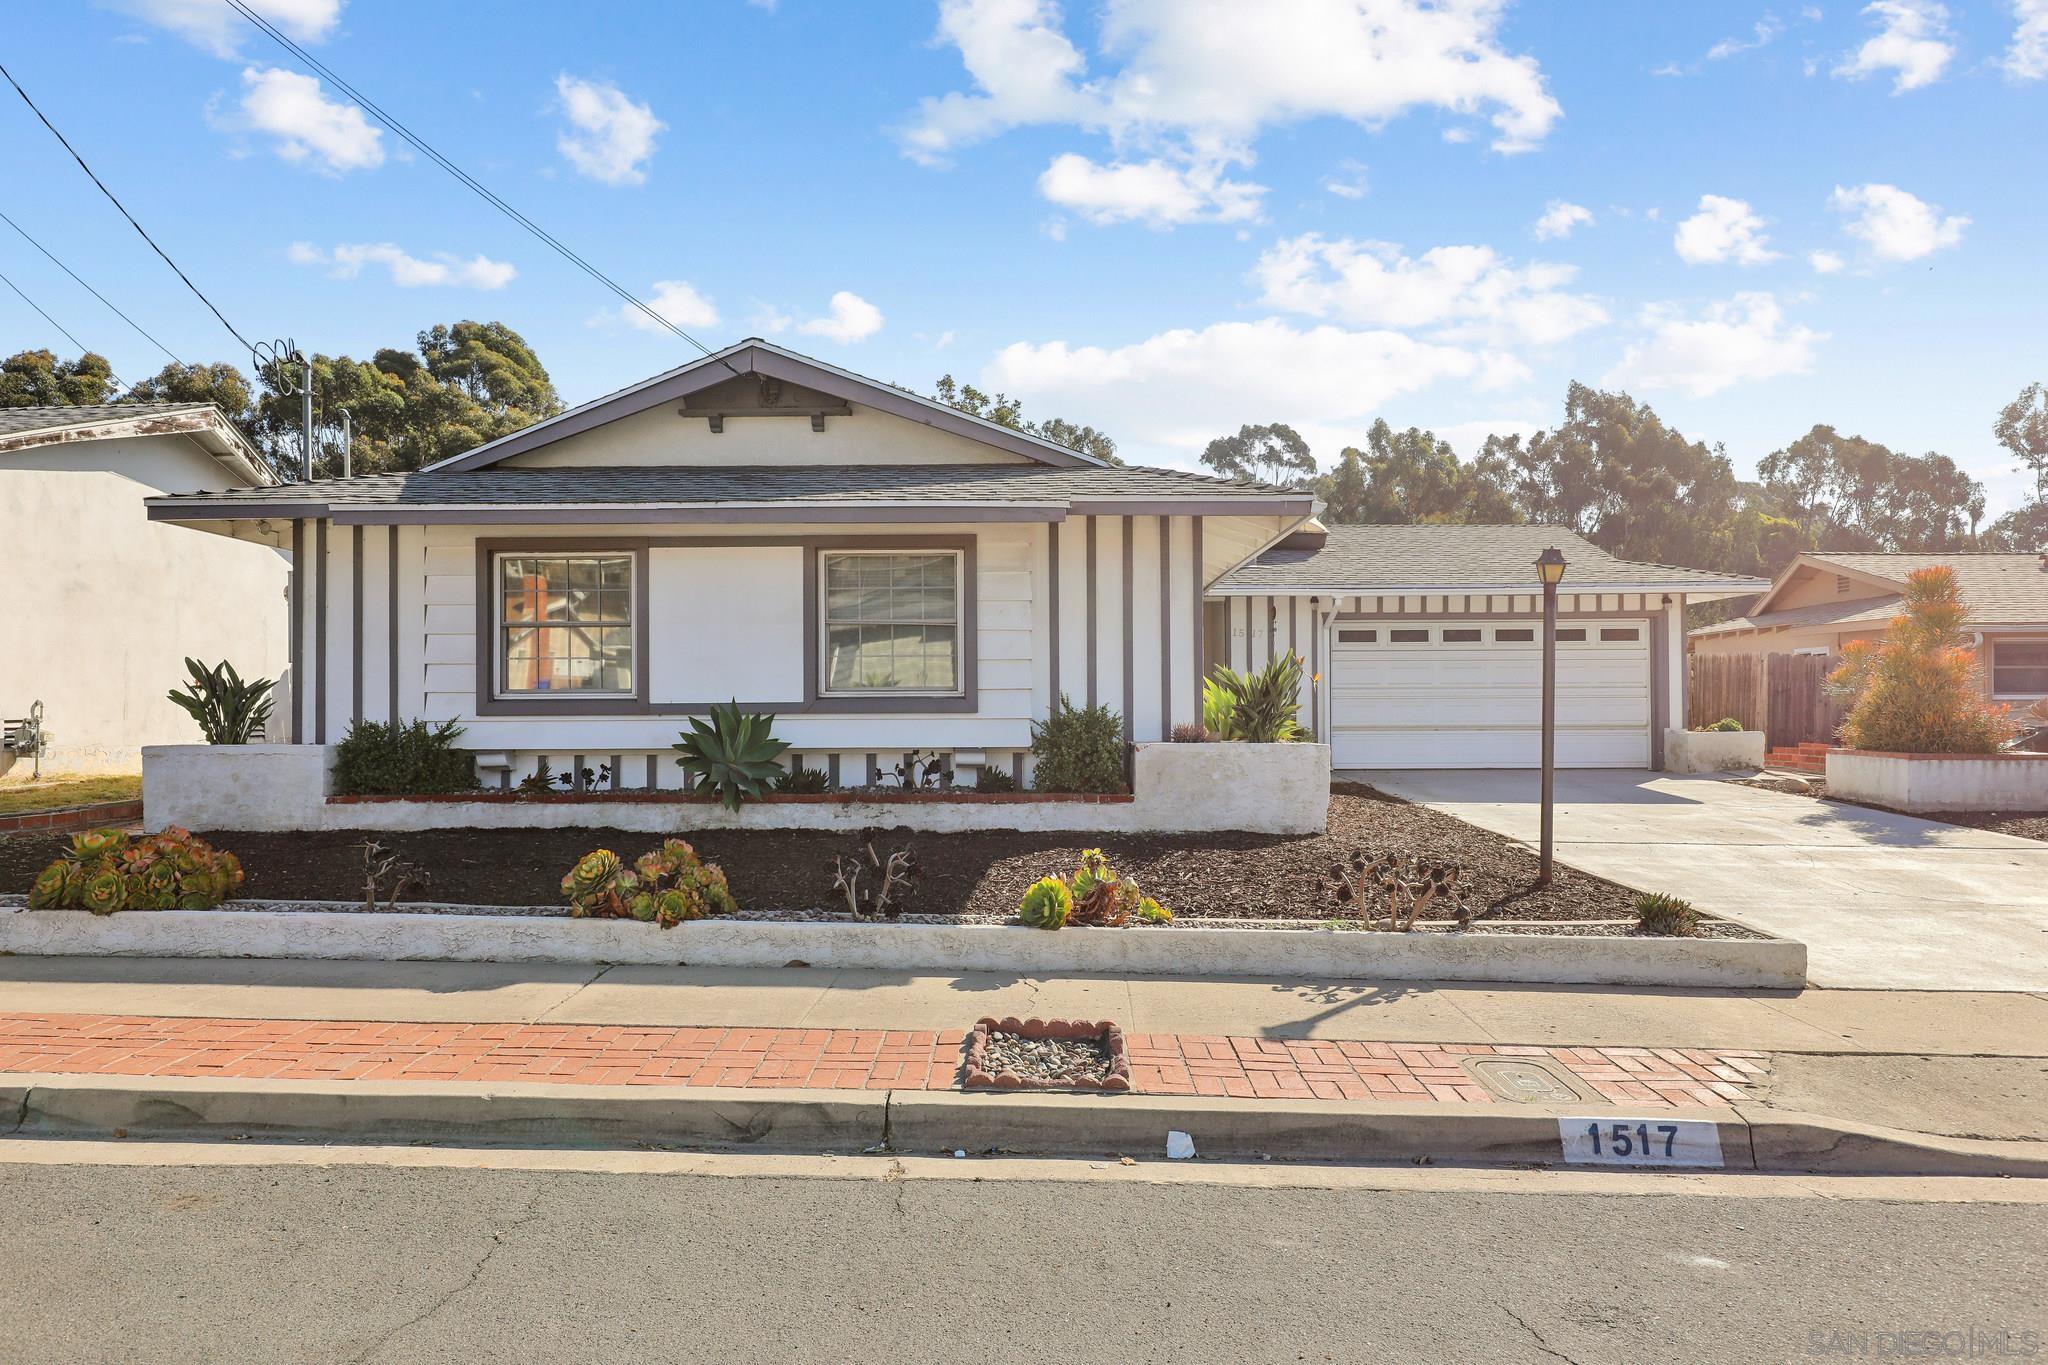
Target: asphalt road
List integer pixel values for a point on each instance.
(264, 1263)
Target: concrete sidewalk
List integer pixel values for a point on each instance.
(1881, 901)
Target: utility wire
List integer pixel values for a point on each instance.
(59, 326)
(374, 110)
(124, 212)
(89, 289)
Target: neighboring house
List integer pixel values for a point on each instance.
(103, 606)
(1428, 640)
(883, 572)
(1822, 602)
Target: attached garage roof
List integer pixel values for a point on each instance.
(1436, 558)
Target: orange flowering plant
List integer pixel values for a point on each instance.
(1919, 690)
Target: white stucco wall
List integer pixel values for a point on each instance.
(1926, 783)
(103, 606)
(1712, 751)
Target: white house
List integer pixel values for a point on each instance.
(888, 574)
(103, 605)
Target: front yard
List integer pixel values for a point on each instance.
(980, 876)
(59, 791)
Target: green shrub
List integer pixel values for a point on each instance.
(402, 758)
(1657, 913)
(994, 780)
(229, 711)
(1047, 904)
(1256, 708)
(1919, 690)
(1078, 749)
(804, 780)
(1727, 725)
(735, 755)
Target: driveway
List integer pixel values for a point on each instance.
(1881, 901)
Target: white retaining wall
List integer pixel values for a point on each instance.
(1927, 783)
(1712, 751)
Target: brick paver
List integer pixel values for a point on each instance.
(823, 1059)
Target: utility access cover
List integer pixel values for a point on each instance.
(1523, 1080)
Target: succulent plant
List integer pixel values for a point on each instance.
(98, 843)
(665, 886)
(47, 892)
(104, 870)
(593, 875)
(641, 906)
(1152, 912)
(675, 905)
(735, 755)
(105, 892)
(1657, 913)
(1047, 904)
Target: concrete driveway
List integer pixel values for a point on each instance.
(1881, 901)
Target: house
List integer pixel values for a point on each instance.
(1424, 643)
(104, 605)
(886, 574)
(1823, 601)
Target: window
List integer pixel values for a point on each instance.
(1409, 637)
(1573, 634)
(1461, 635)
(2019, 668)
(891, 621)
(1515, 635)
(1357, 637)
(1614, 633)
(565, 624)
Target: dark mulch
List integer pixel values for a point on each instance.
(2020, 824)
(1250, 876)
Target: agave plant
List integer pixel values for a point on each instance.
(229, 710)
(734, 755)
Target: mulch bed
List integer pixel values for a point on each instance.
(1231, 875)
(2019, 824)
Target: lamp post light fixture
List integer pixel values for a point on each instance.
(1550, 569)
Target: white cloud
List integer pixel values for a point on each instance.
(1722, 230)
(1895, 225)
(2027, 58)
(1348, 181)
(1912, 42)
(1167, 395)
(1728, 342)
(851, 318)
(1559, 218)
(346, 260)
(609, 137)
(332, 136)
(1156, 192)
(1469, 292)
(676, 300)
(1824, 262)
(210, 24)
(1763, 31)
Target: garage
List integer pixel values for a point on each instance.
(1468, 694)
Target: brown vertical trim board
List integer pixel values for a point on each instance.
(1165, 627)
(391, 612)
(1196, 569)
(355, 583)
(1052, 610)
(1130, 644)
(1090, 614)
(1315, 669)
(1659, 690)
(320, 634)
(297, 654)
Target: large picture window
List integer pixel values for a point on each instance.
(891, 622)
(565, 624)
(2019, 668)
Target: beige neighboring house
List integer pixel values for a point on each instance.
(1822, 602)
(103, 605)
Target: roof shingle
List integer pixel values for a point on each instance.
(1366, 559)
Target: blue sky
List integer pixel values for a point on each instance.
(1163, 217)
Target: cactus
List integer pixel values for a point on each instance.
(1047, 904)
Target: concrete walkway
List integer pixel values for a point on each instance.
(1882, 901)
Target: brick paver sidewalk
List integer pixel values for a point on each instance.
(836, 1059)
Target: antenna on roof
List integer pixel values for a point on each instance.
(285, 370)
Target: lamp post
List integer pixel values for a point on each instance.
(1550, 569)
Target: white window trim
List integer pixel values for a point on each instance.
(499, 692)
(1992, 668)
(959, 558)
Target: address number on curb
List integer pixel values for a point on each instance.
(1639, 1142)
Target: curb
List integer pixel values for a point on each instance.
(1751, 1137)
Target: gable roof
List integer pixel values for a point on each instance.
(1999, 589)
(755, 356)
(1434, 557)
(32, 427)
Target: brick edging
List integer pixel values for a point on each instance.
(73, 817)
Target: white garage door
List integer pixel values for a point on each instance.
(1468, 694)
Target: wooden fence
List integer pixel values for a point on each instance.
(1780, 694)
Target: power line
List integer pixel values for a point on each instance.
(89, 289)
(124, 210)
(374, 110)
(59, 326)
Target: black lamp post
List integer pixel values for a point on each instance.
(1550, 569)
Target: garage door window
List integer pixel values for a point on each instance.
(1409, 637)
(1571, 634)
(2019, 668)
(1461, 636)
(1357, 637)
(1612, 634)
(1514, 635)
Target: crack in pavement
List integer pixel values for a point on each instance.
(1534, 1335)
(499, 1237)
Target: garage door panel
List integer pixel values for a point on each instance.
(1441, 703)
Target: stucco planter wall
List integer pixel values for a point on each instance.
(1929, 783)
(1181, 952)
(1272, 788)
(1712, 751)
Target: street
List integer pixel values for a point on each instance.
(186, 1253)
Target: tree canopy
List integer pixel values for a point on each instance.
(1006, 411)
(35, 379)
(1273, 453)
